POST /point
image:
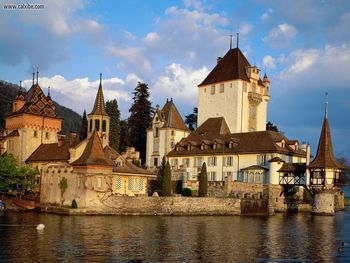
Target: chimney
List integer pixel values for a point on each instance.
(61, 139)
(218, 60)
(72, 138)
(303, 146)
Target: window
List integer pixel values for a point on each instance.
(97, 125)
(119, 183)
(222, 88)
(212, 161)
(157, 119)
(104, 125)
(261, 159)
(35, 134)
(99, 182)
(141, 184)
(90, 126)
(155, 161)
(156, 132)
(172, 144)
(254, 87)
(212, 176)
(228, 161)
(212, 89)
(130, 183)
(174, 162)
(172, 133)
(186, 162)
(47, 135)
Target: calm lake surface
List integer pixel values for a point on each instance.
(296, 237)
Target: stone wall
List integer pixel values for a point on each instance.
(323, 201)
(339, 203)
(246, 190)
(158, 206)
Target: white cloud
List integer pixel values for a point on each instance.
(267, 14)
(269, 62)
(151, 37)
(196, 4)
(180, 83)
(80, 93)
(280, 35)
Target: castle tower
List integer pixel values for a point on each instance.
(325, 173)
(33, 121)
(166, 130)
(98, 119)
(236, 86)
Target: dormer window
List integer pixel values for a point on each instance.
(215, 146)
(212, 90)
(202, 146)
(189, 147)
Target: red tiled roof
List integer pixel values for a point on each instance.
(172, 117)
(99, 106)
(248, 142)
(296, 168)
(93, 154)
(36, 103)
(232, 66)
(50, 153)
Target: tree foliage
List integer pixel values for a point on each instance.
(13, 177)
(114, 124)
(191, 119)
(140, 119)
(203, 181)
(83, 128)
(166, 176)
(123, 135)
(271, 127)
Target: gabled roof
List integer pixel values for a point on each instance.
(325, 157)
(36, 103)
(50, 153)
(99, 106)
(171, 117)
(232, 66)
(214, 129)
(93, 154)
(295, 168)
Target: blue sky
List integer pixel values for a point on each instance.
(172, 45)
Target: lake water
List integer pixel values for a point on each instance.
(299, 237)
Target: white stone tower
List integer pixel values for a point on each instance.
(235, 91)
(98, 119)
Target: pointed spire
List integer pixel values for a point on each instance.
(37, 74)
(325, 156)
(237, 39)
(33, 75)
(326, 107)
(99, 106)
(48, 92)
(20, 85)
(230, 41)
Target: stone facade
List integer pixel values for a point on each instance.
(159, 206)
(323, 201)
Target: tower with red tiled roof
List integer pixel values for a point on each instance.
(235, 91)
(326, 178)
(32, 121)
(98, 119)
(167, 128)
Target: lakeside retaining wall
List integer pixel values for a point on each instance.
(115, 205)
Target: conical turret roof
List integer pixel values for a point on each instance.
(325, 157)
(99, 106)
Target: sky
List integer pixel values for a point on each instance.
(302, 45)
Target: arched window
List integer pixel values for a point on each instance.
(97, 125)
(104, 125)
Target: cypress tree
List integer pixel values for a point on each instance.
(166, 180)
(123, 135)
(83, 128)
(140, 119)
(203, 181)
(114, 124)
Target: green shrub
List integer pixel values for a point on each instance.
(74, 204)
(186, 192)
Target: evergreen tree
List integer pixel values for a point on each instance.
(203, 181)
(114, 124)
(140, 119)
(123, 135)
(83, 128)
(166, 180)
(191, 119)
(271, 127)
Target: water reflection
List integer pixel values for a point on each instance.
(171, 239)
